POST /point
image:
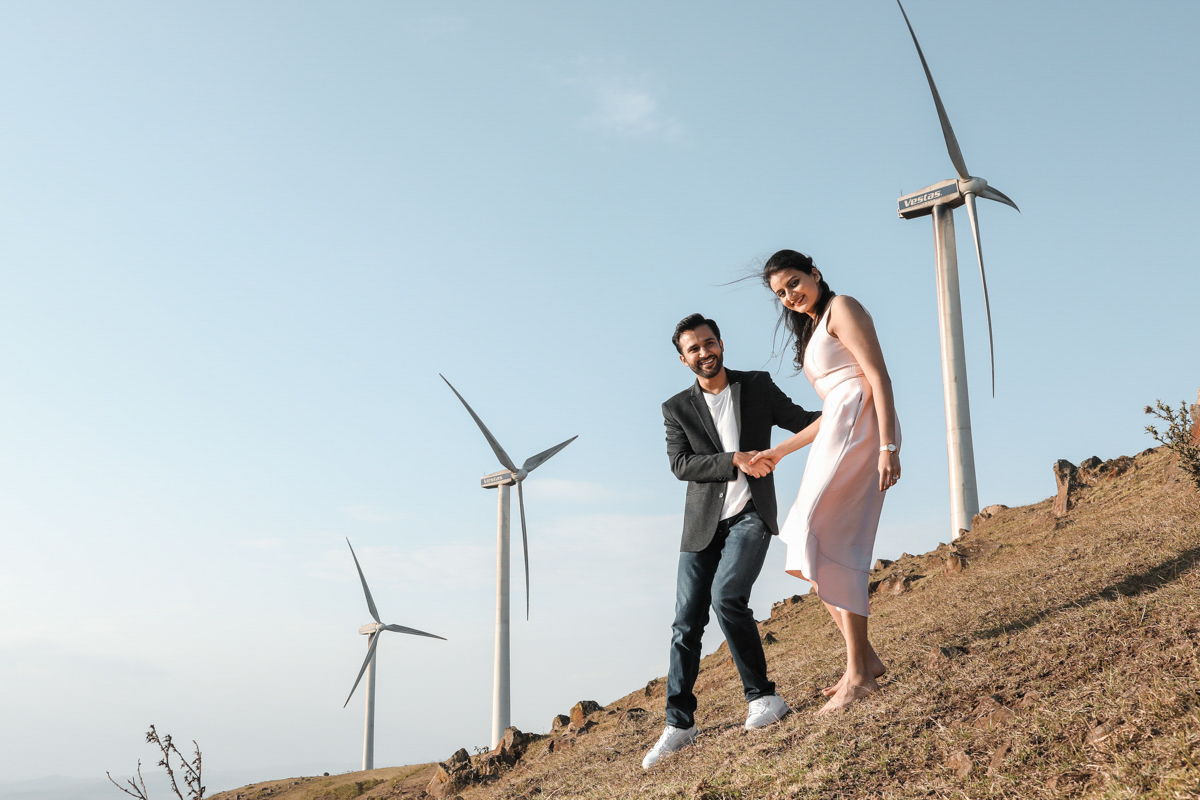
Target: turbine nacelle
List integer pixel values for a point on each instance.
(504, 477)
(497, 479)
(920, 204)
(952, 193)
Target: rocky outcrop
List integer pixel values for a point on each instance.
(634, 714)
(1090, 471)
(1066, 476)
(453, 775)
(460, 771)
(505, 754)
(987, 513)
(897, 583)
(784, 604)
(566, 730)
(1093, 470)
(514, 744)
(581, 711)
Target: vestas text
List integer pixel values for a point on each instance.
(924, 198)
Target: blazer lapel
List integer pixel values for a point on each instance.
(701, 406)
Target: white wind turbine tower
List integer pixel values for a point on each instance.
(373, 630)
(503, 481)
(940, 200)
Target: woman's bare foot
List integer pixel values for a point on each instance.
(874, 665)
(848, 695)
(832, 689)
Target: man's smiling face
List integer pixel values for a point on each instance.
(702, 351)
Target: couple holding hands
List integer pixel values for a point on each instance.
(719, 441)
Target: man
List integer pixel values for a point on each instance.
(714, 429)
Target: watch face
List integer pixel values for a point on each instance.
(891, 448)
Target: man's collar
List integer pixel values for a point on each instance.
(731, 377)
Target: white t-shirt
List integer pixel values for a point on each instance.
(737, 492)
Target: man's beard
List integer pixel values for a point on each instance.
(709, 373)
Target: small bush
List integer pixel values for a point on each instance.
(1177, 437)
(191, 770)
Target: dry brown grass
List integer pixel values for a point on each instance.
(377, 783)
(1070, 669)
(1079, 678)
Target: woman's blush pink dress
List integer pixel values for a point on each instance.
(830, 530)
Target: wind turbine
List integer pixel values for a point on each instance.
(940, 200)
(373, 630)
(503, 480)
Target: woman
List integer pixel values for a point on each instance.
(854, 460)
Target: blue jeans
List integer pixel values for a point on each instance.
(720, 575)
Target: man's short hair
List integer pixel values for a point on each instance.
(690, 323)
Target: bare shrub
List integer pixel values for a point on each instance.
(1178, 436)
(190, 770)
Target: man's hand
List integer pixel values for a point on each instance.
(754, 463)
(770, 458)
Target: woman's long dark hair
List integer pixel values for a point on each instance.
(799, 326)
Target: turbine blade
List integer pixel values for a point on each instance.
(413, 631)
(971, 212)
(496, 448)
(533, 462)
(366, 591)
(956, 157)
(366, 663)
(524, 544)
(992, 193)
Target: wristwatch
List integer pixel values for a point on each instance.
(890, 447)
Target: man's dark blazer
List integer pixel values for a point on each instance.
(696, 454)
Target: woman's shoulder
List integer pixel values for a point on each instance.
(842, 307)
(845, 301)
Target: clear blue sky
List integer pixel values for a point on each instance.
(240, 241)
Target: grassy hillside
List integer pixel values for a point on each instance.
(390, 782)
(1060, 661)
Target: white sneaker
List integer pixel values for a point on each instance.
(672, 739)
(766, 711)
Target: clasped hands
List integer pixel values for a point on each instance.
(756, 463)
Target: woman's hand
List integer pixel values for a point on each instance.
(889, 469)
(766, 460)
(745, 462)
